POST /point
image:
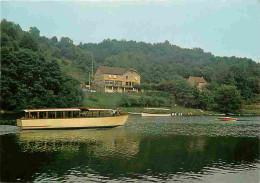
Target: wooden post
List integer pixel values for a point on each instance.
(63, 114)
(29, 114)
(47, 116)
(55, 114)
(80, 114)
(38, 115)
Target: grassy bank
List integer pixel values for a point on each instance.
(113, 100)
(251, 109)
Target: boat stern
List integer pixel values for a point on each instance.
(19, 122)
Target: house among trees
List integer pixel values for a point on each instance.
(115, 79)
(197, 81)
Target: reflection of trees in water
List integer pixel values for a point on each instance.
(193, 153)
(115, 153)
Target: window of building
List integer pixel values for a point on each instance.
(135, 78)
(114, 76)
(118, 83)
(109, 76)
(107, 82)
(128, 83)
(126, 77)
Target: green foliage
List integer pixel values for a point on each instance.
(228, 99)
(30, 78)
(34, 31)
(206, 99)
(184, 94)
(29, 42)
(167, 62)
(142, 101)
(91, 97)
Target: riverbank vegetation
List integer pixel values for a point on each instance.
(37, 71)
(136, 102)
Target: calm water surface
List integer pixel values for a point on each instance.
(171, 149)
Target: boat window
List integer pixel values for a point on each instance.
(68, 114)
(51, 114)
(84, 113)
(59, 114)
(42, 115)
(33, 115)
(75, 114)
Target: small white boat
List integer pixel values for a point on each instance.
(81, 117)
(154, 112)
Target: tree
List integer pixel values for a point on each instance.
(34, 31)
(28, 80)
(54, 40)
(206, 99)
(29, 42)
(65, 42)
(228, 99)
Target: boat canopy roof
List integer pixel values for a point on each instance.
(158, 109)
(94, 109)
(66, 109)
(51, 109)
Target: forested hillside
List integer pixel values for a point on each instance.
(163, 62)
(37, 71)
(31, 76)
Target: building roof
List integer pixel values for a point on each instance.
(115, 70)
(193, 79)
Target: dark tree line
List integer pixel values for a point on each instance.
(30, 78)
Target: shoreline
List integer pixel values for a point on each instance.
(183, 110)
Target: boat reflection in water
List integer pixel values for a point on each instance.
(100, 142)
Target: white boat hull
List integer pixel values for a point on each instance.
(155, 115)
(90, 122)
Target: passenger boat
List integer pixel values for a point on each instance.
(227, 119)
(79, 117)
(156, 112)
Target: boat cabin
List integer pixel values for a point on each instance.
(59, 113)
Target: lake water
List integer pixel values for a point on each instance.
(170, 149)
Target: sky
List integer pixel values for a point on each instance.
(222, 27)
